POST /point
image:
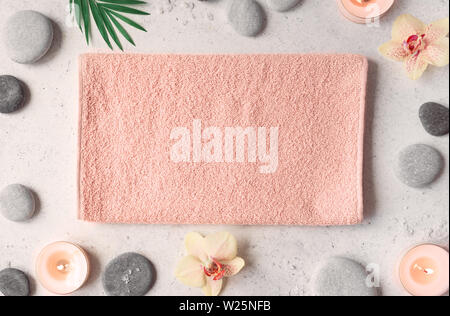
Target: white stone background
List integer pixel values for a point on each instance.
(38, 148)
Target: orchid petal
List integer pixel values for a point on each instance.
(221, 246)
(212, 287)
(437, 54)
(189, 271)
(437, 30)
(393, 50)
(234, 266)
(195, 246)
(405, 26)
(416, 66)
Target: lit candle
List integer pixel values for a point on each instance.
(364, 11)
(424, 271)
(62, 267)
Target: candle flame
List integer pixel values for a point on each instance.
(63, 267)
(427, 271)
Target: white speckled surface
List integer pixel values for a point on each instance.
(38, 147)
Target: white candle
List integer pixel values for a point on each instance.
(62, 267)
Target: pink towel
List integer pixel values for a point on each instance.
(222, 139)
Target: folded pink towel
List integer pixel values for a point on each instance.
(245, 139)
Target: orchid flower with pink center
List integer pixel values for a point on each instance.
(418, 45)
(209, 259)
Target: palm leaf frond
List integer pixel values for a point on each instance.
(111, 30)
(124, 1)
(127, 20)
(120, 28)
(86, 18)
(99, 21)
(78, 14)
(121, 8)
(106, 17)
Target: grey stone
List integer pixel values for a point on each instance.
(29, 35)
(419, 165)
(247, 17)
(17, 203)
(14, 282)
(282, 5)
(342, 277)
(130, 274)
(11, 94)
(434, 118)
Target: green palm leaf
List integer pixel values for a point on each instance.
(124, 1)
(120, 28)
(86, 19)
(127, 20)
(121, 8)
(111, 30)
(106, 16)
(99, 21)
(78, 13)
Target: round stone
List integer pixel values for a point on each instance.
(11, 94)
(130, 274)
(282, 5)
(247, 17)
(419, 165)
(342, 277)
(14, 282)
(17, 203)
(29, 36)
(435, 118)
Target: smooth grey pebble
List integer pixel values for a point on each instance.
(342, 277)
(14, 282)
(11, 94)
(434, 118)
(419, 165)
(247, 17)
(130, 274)
(29, 36)
(17, 203)
(282, 5)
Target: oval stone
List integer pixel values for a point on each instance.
(14, 282)
(247, 17)
(17, 203)
(434, 118)
(419, 165)
(130, 274)
(29, 36)
(11, 94)
(282, 5)
(342, 277)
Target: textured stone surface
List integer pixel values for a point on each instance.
(434, 118)
(29, 36)
(247, 17)
(282, 5)
(39, 146)
(17, 203)
(14, 282)
(342, 277)
(130, 274)
(11, 94)
(419, 165)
